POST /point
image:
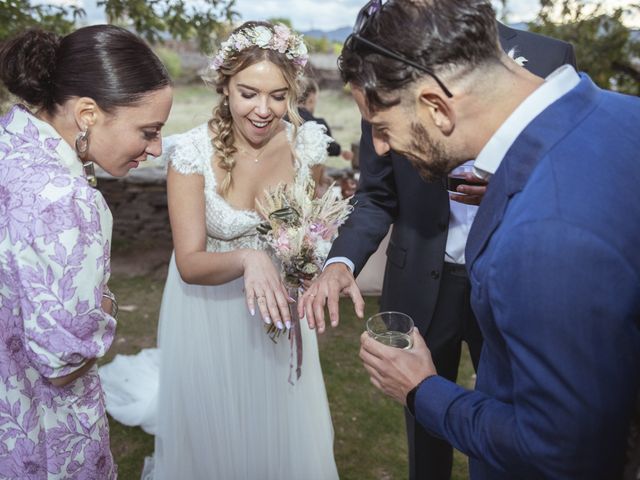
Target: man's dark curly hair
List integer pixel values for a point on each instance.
(433, 33)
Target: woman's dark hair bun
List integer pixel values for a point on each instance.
(27, 66)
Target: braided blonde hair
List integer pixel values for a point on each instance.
(221, 123)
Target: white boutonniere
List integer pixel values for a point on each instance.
(520, 60)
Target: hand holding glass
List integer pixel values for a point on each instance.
(391, 328)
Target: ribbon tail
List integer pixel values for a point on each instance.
(295, 340)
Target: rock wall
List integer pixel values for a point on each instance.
(138, 203)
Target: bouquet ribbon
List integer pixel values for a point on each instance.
(295, 339)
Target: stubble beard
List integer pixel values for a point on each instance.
(429, 157)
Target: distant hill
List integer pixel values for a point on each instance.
(337, 35)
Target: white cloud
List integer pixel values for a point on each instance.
(304, 14)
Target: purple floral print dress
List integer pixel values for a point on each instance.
(55, 234)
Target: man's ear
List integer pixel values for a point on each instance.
(439, 108)
(86, 112)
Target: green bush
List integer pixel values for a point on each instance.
(172, 61)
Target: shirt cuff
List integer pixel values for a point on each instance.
(344, 260)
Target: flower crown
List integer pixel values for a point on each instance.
(281, 39)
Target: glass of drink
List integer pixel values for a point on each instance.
(457, 177)
(391, 328)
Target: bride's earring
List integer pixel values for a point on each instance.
(82, 149)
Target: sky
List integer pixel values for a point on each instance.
(328, 14)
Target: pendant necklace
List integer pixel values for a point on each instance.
(256, 158)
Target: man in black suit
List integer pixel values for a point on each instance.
(425, 276)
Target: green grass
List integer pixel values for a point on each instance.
(370, 441)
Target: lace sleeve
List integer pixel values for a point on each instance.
(311, 144)
(184, 151)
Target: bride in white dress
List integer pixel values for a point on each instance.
(225, 409)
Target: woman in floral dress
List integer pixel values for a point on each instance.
(98, 95)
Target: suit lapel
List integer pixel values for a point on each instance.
(522, 158)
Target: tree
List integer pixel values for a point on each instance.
(152, 19)
(605, 47)
(18, 15)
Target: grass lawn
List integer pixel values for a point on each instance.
(369, 428)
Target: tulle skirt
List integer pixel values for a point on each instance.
(222, 407)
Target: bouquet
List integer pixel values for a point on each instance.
(300, 229)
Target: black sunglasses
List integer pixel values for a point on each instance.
(366, 14)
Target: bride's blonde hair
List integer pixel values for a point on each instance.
(221, 123)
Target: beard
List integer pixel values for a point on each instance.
(429, 157)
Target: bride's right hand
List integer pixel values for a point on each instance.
(262, 285)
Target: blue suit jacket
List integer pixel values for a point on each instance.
(554, 261)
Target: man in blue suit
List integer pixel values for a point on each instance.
(552, 255)
(429, 235)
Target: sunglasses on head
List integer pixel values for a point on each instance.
(369, 11)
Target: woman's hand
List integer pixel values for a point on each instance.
(262, 285)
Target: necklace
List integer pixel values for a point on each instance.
(256, 158)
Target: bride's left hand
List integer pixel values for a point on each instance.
(263, 286)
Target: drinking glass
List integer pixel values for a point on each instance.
(456, 178)
(391, 328)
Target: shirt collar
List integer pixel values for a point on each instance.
(556, 85)
(22, 121)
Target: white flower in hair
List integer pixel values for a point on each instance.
(520, 60)
(262, 36)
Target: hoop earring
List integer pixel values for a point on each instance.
(82, 149)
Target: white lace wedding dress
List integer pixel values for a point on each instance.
(222, 407)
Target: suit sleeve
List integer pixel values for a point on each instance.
(573, 356)
(375, 206)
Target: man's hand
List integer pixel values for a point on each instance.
(394, 371)
(325, 290)
(472, 194)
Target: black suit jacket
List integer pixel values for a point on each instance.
(390, 191)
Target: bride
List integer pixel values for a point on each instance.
(225, 409)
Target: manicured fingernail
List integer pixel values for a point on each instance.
(267, 320)
(288, 324)
(253, 312)
(292, 299)
(280, 326)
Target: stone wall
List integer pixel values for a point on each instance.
(138, 203)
